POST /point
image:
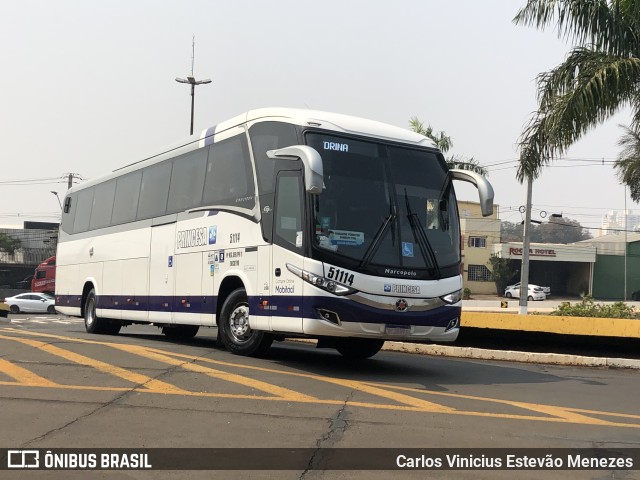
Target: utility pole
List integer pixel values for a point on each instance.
(191, 80)
(526, 243)
(70, 177)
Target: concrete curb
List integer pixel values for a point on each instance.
(502, 355)
(511, 356)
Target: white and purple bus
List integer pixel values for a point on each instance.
(277, 223)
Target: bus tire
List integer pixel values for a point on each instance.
(92, 323)
(181, 331)
(233, 325)
(359, 348)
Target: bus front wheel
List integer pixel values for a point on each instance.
(235, 332)
(359, 348)
(92, 323)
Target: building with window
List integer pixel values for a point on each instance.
(479, 234)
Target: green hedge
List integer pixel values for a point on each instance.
(588, 308)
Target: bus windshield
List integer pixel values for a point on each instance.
(385, 209)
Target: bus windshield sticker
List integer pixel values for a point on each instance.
(407, 249)
(346, 237)
(213, 234)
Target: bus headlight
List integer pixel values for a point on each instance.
(453, 297)
(319, 281)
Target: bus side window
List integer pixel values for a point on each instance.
(289, 211)
(126, 198)
(154, 190)
(269, 136)
(187, 181)
(83, 210)
(229, 176)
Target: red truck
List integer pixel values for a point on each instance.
(44, 277)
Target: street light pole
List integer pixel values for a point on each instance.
(56, 194)
(191, 80)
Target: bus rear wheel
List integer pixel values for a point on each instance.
(92, 323)
(359, 348)
(181, 331)
(235, 332)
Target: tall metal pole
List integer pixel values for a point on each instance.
(526, 242)
(192, 81)
(626, 245)
(193, 94)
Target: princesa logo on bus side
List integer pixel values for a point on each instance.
(195, 237)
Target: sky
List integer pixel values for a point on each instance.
(88, 87)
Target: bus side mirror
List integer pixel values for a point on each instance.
(312, 161)
(485, 190)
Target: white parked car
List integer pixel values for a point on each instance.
(546, 290)
(31, 302)
(535, 292)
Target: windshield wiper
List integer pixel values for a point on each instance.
(421, 238)
(377, 240)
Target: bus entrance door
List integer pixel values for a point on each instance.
(286, 287)
(161, 273)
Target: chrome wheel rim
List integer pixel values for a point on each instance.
(239, 324)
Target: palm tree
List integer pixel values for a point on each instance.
(600, 75)
(628, 163)
(444, 143)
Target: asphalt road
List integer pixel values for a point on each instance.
(61, 387)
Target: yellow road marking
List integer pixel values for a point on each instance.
(557, 414)
(569, 414)
(275, 390)
(289, 394)
(24, 376)
(146, 382)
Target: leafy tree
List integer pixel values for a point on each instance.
(559, 230)
(501, 272)
(445, 143)
(556, 230)
(510, 232)
(8, 244)
(628, 163)
(599, 76)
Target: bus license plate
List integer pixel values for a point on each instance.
(397, 329)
